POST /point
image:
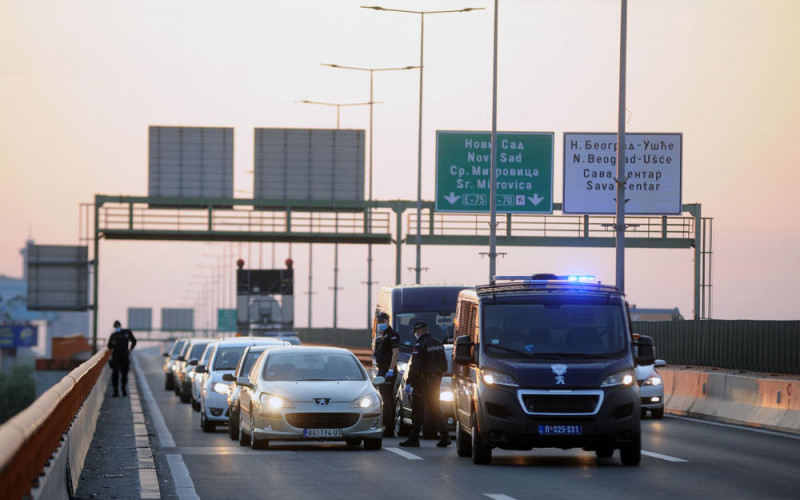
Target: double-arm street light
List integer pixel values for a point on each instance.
(369, 221)
(338, 106)
(421, 14)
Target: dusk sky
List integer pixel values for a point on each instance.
(81, 82)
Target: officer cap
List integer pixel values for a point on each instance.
(418, 325)
(117, 324)
(382, 316)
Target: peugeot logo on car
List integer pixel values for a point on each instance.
(322, 401)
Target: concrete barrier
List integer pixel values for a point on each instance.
(758, 401)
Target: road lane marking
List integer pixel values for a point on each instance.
(499, 496)
(404, 454)
(164, 435)
(663, 457)
(184, 487)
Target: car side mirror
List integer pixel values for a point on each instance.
(379, 380)
(181, 358)
(228, 377)
(200, 369)
(242, 381)
(660, 362)
(463, 350)
(166, 354)
(646, 351)
(193, 361)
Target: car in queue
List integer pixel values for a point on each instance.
(192, 351)
(214, 394)
(403, 422)
(199, 377)
(170, 356)
(247, 361)
(651, 385)
(304, 393)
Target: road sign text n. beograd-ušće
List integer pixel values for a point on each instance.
(524, 172)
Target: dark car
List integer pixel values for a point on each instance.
(402, 422)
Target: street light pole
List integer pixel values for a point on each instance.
(421, 13)
(369, 210)
(338, 106)
(620, 222)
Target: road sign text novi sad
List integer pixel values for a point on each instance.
(524, 172)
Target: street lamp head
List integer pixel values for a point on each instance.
(373, 7)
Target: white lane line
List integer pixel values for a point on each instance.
(663, 457)
(498, 496)
(184, 487)
(404, 454)
(164, 435)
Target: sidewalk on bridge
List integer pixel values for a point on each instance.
(120, 463)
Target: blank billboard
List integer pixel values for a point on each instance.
(177, 320)
(190, 162)
(58, 278)
(309, 164)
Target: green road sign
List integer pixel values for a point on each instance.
(226, 320)
(524, 172)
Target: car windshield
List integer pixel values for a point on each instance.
(228, 357)
(580, 330)
(440, 324)
(308, 367)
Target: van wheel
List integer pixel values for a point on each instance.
(463, 443)
(481, 453)
(631, 454)
(400, 427)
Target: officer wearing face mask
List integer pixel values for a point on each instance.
(387, 349)
(428, 364)
(118, 344)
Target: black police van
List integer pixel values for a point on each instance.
(407, 304)
(546, 361)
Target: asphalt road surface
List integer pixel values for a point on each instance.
(682, 458)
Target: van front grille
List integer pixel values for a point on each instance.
(567, 404)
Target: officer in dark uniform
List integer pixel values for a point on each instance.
(387, 349)
(428, 363)
(120, 356)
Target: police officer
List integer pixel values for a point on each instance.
(120, 354)
(387, 349)
(428, 363)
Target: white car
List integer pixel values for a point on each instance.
(651, 389)
(304, 393)
(198, 378)
(214, 394)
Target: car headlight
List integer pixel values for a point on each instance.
(367, 401)
(625, 378)
(446, 395)
(275, 402)
(654, 379)
(497, 378)
(220, 388)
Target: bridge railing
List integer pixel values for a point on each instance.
(31, 438)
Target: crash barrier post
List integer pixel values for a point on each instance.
(32, 439)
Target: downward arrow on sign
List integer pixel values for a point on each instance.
(452, 198)
(536, 199)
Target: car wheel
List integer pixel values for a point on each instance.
(400, 427)
(185, 397)
(233, 425)
(169, 382)
(631, 454)
(481, 453)
(373, 443)
(244, 439)
(176, 387)
(659, 413)
(256, 443)
(463, 442)
(206, 424)
(352, 441)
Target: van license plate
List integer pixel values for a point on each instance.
(569, 430)
(322, 433)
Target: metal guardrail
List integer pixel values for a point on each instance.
(29, 440)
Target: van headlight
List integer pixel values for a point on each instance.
(367, 401)
(625, 378)
(497, 378)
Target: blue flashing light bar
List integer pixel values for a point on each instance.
(549, 277)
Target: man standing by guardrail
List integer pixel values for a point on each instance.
(120, 356)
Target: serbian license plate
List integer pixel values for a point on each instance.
(322, 433)
(560, 430)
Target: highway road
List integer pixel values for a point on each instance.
(682, 458)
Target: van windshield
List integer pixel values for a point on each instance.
(525, 330)
(440, 324)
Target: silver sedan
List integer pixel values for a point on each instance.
(309, 394)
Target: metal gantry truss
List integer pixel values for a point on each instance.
(370, 222)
